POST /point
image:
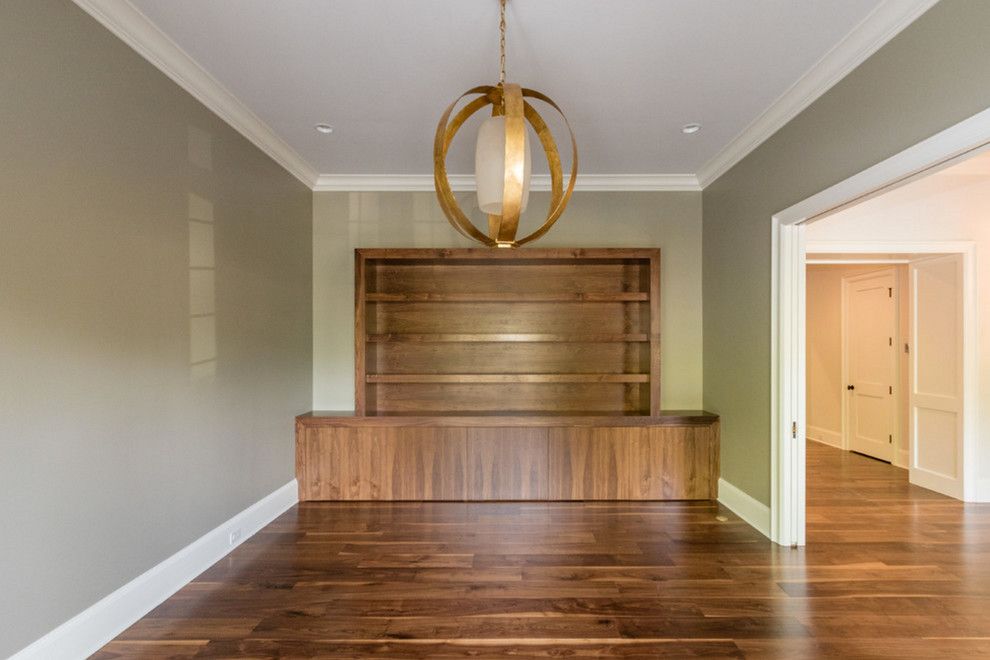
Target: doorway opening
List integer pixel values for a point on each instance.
(856, 327)
(885, 344)
(945, 254)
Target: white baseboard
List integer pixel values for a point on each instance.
(982, 491)
(824, 436)
(754, 512)
(901, 458)
(88, 631)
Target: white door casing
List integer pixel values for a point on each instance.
(787, 310)
(937, 385)
(869, 319)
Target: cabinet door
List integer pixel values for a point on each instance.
(632, 463)
(427, 464)
(383, 463)
(507, 464)
(602, 464)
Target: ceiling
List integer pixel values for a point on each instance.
(628, 74)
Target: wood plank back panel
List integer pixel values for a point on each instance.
(526, 276)
(412, 398)
(508, 357)
(533, 312)
(507, 317)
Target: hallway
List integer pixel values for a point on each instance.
(891, 570)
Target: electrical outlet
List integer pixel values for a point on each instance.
(235, 536)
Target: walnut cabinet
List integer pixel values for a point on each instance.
(343, 457)
(515, 374)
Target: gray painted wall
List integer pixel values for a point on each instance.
(668, 220)
(115, 450)
(931, 76)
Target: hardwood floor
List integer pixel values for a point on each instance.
(890, 570)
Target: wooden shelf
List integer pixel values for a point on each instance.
(506, 337)
(556, 330)
(508, 297)
(508, 378)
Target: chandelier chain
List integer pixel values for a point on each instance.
(501, 44)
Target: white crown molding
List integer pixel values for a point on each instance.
(140, 33)
(137, 31)
(85, 633)
(879, 27)
(629, 182)
(465, 182)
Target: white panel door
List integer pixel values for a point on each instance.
(936, 419)
(871, 369)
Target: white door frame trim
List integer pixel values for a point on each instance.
(787, 332)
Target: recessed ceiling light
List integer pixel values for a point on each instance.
(326, 129)
(689, 129)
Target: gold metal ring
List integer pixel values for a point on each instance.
(510, 101)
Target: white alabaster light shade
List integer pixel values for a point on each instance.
(489, 166)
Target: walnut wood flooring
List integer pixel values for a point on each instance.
(891, 570)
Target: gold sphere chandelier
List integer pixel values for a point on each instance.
(502, 161)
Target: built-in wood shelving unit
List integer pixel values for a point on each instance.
(530, 331)
(507, 375)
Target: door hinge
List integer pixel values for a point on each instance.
(890, 341)
(890, 439)
(890, 292)
(890, 389)
(794, 429)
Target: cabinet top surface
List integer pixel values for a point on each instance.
(350, 418)
(509, 254)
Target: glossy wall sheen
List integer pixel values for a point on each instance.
(668, 220)
(155, 317)
(931, 76)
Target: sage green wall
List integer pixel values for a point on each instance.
(929, 77)
(668, 220)
(139, 234)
